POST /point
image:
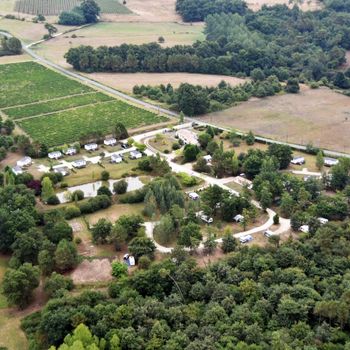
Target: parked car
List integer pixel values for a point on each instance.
(246, 239)
(206, 219)
(268, 233)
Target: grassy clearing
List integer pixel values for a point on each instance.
(68, 126)
(3, 266)
(56, 105)
(29, 82)
(11, 335)
(113, 6)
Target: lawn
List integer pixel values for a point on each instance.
(68, 126)
(28, 82)
(3, 266)
(113, 6)
(56, 105)
(11, 335)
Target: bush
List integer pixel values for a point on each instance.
(120, 187)
(176, 146)
(78, 195)
(104, 175)
(71, 212)
(71, 18)
(137, 196)
(119, 269)
(78, 240)
(187, 180)
(53, 200)
(104, 190)
(276, 219)
(144, 262)
(95, 204)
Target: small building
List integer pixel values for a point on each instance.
(91, 147)
(55, 155)
(116, 158)
(135, 155)
(63, 170)
(246, 239)
(298, 160)
(17, 170)
(129, 260)
(80, 163)
(70, 151)
(207, 158)
(187, 137)
(24, 162)
(304, 228)
(238, 218)
(110, 142)
(330, 161)
(193, 195)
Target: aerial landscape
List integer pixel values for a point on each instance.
(175, 174)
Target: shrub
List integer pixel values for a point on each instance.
(78, 195)
(176, 146)
(104, 175)
(119, 269)
(187, 180)
(104, 190)
(71, 212)
(53, 200)
(78, 240)
(276, 219)
(144, 262)
(120, 187)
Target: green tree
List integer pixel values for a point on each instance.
(120, 187)
(120, 131)
(90, 10)
(229, 243)
(47, 190)
(190, 152)
(190, 235)
(292, 86)
(319, 160)
(66, 256)
(18, 285)
(51, 29)
(140, 246)
(104, 175)
(250, 138)
(101, 231)
(265, 197)
(287, 205)
(119, 269)
(56, 282)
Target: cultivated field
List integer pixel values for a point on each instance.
(45, 7)
(69, 125)
(319, 116)
(126, 81)
(112, 34)
(54, 110)
(113, 7)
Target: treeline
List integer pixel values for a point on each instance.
(283, 296)
(280, 41)
(195, 99)
(87, 12)
(196, 11)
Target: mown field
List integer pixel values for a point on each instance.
(68, 126)
(55, 105)
(54, 109)
(113, 7)
(27, 82)
(45, 7)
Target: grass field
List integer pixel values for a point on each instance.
(113, 6)
(319, 116)
(112, 34)
(55, 105)
(29, 82)
(68, 126)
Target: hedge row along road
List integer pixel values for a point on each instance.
(134, 100)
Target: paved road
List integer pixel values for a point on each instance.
(28, 49)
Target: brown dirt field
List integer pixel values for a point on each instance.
(320, 116)
(126, 81)
(96, 270)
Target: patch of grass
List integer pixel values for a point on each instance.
(28, 82)
(113, 6)
(3, 266)
(56, 105)
(69, 126)
(11, 335)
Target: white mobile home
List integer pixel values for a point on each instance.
(298, 160)
(330, 161)
(193, 195)
(62, 170)
(116, 158)
(110, 142)
(135, 155)
(81, 163)
(26, 161)
(91, 146)
(55, 155)
(70, 151)
(17, 170)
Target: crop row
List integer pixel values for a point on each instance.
(56, 105)
(28, 82)
(68, 126)
(45, 7)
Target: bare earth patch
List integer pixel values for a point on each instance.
(126, 81)
(320, 116)
(96, 270)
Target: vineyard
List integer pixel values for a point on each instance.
(55, 7)
(45, 7)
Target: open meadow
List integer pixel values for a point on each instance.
(319, 116)
(113, 34)
(54, 109)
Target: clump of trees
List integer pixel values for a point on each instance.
(10, 46)
(87, 12)
(195, 99)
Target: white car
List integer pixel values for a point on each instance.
(268, 233)
(304, 228)
(238, 218)
(206, 219)
(322, 221)
(193, 195)
(246, 239)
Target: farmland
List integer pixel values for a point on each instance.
(113, 6)
(55, 105)
(28, 82)
(45, 7)
(314, 116)
(68, 126)
(55, 110)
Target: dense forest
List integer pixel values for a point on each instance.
(278, 40)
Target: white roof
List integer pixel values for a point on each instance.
(91, 146)
(331, 161)
(55, 154)
(304, 228)
(17, 170)
(110, 141)
(207, 157)
(24, 161)
(79, 162)
(193, 195)
(70, 150)
(238, 217)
